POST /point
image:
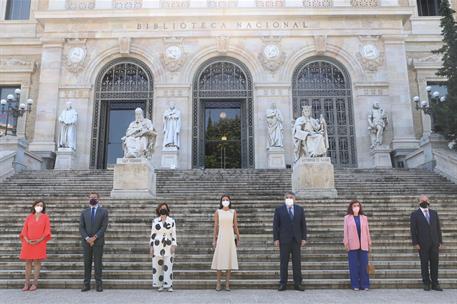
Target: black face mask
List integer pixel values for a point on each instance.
(424, 205)
(163, 212)
(93, 202)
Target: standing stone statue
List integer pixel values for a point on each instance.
(140, 138)
(171, 127)
(68, 119)
(377, 122)
(310, 135)
(275, 127)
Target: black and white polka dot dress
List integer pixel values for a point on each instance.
(163, 236)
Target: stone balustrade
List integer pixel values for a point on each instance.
(216, 4)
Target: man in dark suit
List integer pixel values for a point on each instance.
(427, 239)
(289, 234)
(92, 226)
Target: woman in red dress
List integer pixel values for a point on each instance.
(34, 236)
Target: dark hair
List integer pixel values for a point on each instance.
(160, 207)
(289, 193)
(36, 203)
(220, 201)
(350, 207)
(93, 192)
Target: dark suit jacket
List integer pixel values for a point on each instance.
(87, 229)
(423, 233)
(284, 229)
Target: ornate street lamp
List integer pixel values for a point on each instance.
(9, 106)
(427, 106)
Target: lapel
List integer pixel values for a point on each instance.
(87, 216)
(284, 208)
(295, 211)
(98, 214)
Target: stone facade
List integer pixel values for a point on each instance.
(383, 46)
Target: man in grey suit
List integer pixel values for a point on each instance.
(92, 226)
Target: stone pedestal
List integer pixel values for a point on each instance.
(134, 178)
(276, 158)
(169, 158)
(313, 178)
(65, 159)
(381, 157)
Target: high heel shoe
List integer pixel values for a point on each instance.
(26, 287)
(33, 287)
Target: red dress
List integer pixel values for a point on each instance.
(34, 230)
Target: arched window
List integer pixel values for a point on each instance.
(326, 86)
(222, 126)
(121, 86)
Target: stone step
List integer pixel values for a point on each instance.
(235, 283)
(209, 274)
(389, 196)
(110, 263)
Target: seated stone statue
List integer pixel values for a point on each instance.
(140, 138)
(310, 135)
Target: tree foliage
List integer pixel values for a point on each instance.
(446, 112)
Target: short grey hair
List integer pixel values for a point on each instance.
(289, 193)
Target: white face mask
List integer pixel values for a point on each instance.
(225, 203)
(289, 202)
(38, 209)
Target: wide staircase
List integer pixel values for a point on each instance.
(389, 196)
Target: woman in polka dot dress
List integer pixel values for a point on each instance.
(163, 246)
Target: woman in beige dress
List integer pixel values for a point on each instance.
(224, 242)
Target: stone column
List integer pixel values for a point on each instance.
(397, 76)
(47, 103)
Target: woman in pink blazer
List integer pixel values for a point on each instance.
(357, 241)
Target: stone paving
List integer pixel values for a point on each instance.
(139, 296)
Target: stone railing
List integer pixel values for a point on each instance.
(6, 164)
(216, 4)
(446, 163)
(318, 3)
(364, 3)
(434, 154)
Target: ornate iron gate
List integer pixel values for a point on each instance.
(326, 87)
(222, 79)
(123, 81)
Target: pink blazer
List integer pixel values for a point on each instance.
(351, 238)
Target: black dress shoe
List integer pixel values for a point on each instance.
(426, 287)
(85, 288)
(299, 287)
(437, 288)
(282, 287)
(99, 288)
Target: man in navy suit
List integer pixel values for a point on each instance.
(92, 227)
(289, 234)
(426, 238)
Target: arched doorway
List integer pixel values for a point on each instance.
(121, 86)
(325, 85)
(222, 126)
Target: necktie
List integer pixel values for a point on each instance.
(93, 215)
(291, 215)
(427, 216)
